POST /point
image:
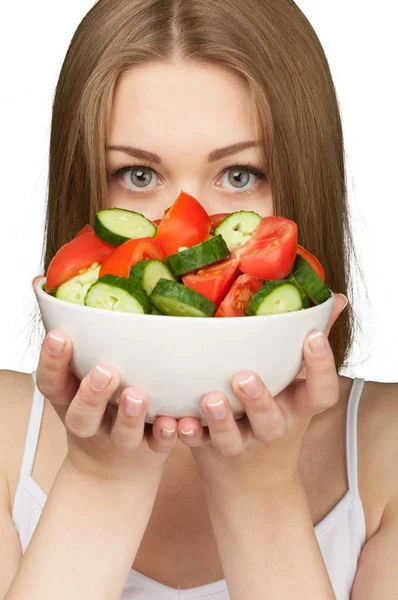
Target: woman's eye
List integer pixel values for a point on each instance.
(239, 178)
(137, 179)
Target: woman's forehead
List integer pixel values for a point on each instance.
(184, 101)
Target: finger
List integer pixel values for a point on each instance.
(163, 436)
(340, 303)
(53, 375)
(192, 433)
(129, 426)
(321, 388)
(265, 417)
(224, 432)
(36, 278)
(87, 408)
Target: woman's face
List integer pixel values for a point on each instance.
(183, 114)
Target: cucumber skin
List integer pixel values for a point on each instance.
(137, 271)
(317, 291)
(304, 298)
(131, 286)
(178, 292)
(268, 288)
(195, 258)
(115, 239)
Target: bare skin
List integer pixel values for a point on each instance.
(180, 521)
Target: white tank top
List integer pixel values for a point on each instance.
(341, 534)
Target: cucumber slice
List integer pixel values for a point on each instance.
(198, 256)
(119, 294)
(117, 225)
(304, 298)
(304, 276)
(75, 289)
(238, 227)
(174, 299)
(148, 272)
(275, 297)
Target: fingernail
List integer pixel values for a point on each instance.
(188, 434)
(217, 409)
(250, 386)
(167, 433)
(133, 406)
(100, 378)
(346, 301)
(55, 344)
(317, 342)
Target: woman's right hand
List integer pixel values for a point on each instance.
(105, 442)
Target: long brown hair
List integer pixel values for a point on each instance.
(272, 46)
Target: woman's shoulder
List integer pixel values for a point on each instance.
(378, 414)
(16, 393)
(378, 447)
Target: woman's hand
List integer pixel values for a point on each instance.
(261, 451)
(105, 442)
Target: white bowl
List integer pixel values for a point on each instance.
(177, 360)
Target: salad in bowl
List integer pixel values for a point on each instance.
(158, 301)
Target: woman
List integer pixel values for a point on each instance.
(272, 506)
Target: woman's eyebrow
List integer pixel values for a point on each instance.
(213, 156)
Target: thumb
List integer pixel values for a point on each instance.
(340, 303)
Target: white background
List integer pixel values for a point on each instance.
(362, 48)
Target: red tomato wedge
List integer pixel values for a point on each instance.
(271, 251)
(214, 281)
(185, 224)
(79, 253)
(216, 219)
(128, 254)
(314, 262)
(239, 296)
(158, 221)
(86, 229)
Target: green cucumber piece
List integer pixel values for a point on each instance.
(304, 298)
(198, 256)
(149, 271)
(75, 289)
(118, 294)
(238, 227)
(174, 299)
(275, 297)
(304, 276)
(117, 225)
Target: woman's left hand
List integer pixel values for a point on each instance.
(261, 451)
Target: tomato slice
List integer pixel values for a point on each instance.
(215, 281)
(185, 224)
(79, 253)
(314, 262)
(216, 219)
(86, 229)
(158, 221)
(271, 251)
(128, 254)
(239, 296)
